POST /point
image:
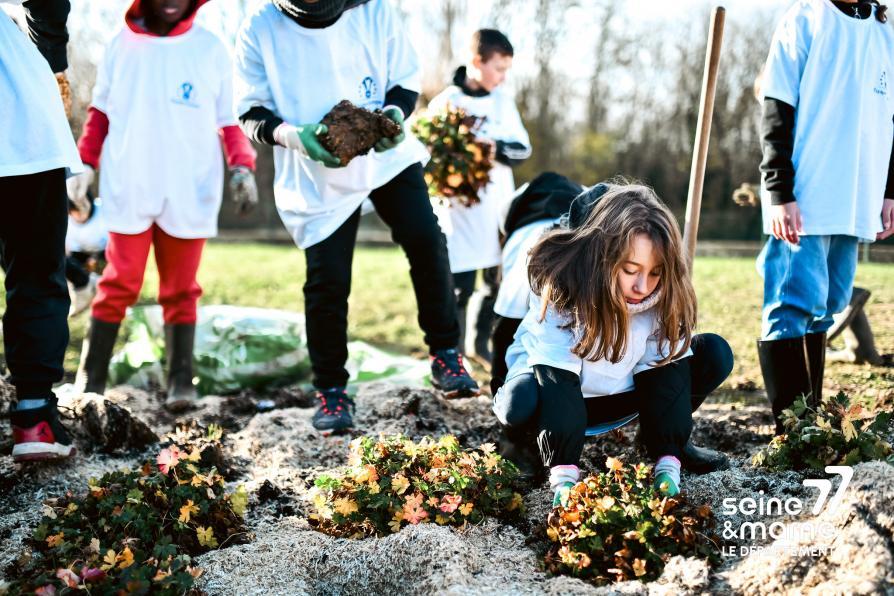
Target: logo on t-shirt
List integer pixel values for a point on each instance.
(882, 87)
(185, 95)
(367, 88)
(367, 91)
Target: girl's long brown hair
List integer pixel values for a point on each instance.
(576, 271)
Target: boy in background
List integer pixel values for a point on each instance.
(473, 241)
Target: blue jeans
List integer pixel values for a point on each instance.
(805, 284)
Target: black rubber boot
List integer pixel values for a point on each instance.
(93, 370)
(785, 368)
(179, 342)
(843, 320)
(816, 360)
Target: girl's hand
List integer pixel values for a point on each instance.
(887, 220)
(785, 222)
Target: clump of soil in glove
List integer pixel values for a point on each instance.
(354, 131)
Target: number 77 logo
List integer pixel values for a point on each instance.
(825, 487)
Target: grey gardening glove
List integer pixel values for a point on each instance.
(243, 189)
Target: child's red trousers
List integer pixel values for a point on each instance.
(177, 260)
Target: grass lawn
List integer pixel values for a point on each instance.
(383, 309)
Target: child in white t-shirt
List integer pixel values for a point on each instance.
(473, 232)
(85, 247)
(162, 104)
(827, 141)
(296, 59)
(37, 154)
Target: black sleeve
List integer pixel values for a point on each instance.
(258, 124)
(402, 98)
(889, 187)
(777, 143)
(512, 153)
(46, 27)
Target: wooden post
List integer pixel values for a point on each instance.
(703, 131)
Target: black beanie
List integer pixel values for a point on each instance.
(584, 203)
(316, 12)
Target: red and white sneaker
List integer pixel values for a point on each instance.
(38, 434)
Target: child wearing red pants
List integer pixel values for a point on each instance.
(161, 104)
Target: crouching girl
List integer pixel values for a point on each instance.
(609, 337)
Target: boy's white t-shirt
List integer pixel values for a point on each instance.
(36, 135)
(515, 289)
(473, 232)
(300, 74)
(835, 70)
(162, 162)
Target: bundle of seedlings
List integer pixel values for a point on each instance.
(460, 164)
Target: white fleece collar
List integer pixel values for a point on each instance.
(650, 301)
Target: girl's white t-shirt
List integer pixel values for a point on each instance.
(300, 74)
(36, 135)
(835, 70)
(515, 289)
(473, 232)
(549, 342)
(162, 162)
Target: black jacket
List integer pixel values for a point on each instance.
(46, 27)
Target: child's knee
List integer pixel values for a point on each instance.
(717, 354)
(515, 403)
(424, 237)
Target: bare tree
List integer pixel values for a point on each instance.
(542, 96)
(501, 14)
(450, 17)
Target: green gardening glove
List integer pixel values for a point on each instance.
(386, 143)
(304, 139)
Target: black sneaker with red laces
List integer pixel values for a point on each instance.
(335, 411)
(38, 435)
(450, 376)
